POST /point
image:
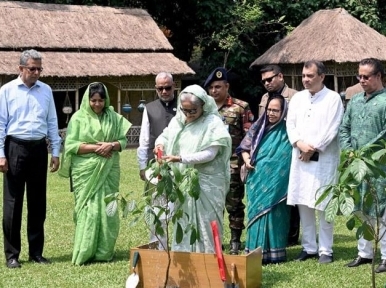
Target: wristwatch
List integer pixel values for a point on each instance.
(112, 145)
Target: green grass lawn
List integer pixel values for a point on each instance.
(59, 241)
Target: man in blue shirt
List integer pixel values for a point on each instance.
(27, 118)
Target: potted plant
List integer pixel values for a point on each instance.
(173, 186)
(179, 268)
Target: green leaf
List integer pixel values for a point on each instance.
(344, 176)
(156, 169)
(368, 200)
(134, 221)
(159, 229)
(161, 187)
(129, 208)
(346, 204)
(168, 182)
(112, 208)
(111, 197)
(325, 193)
(193, 236)
(131, 205)
(368, 231)
(378, 154)
(180, 195)
(358, 169)
(178, 214)
(177, 174)
(149, 217)
(359, 233)
(179, 233)
(123, 204)
(194, 191)
(332, 209)
(350, 224)
(356, 196)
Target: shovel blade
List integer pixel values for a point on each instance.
(233, 284)
(132, 281)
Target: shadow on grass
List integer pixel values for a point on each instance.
(272, 277)
(122, 255)
(344, 248)
(61, 258)
(119, 256)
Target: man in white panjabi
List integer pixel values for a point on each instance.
(313, 120)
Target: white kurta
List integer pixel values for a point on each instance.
(314, 120)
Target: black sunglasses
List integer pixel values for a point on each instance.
(162, 88)
(269, 80)
(188, 111)
(33, 69)
(365, 77)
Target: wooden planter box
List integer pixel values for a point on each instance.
(188, 270)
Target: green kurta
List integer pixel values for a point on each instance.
(180, 138)
(94, 177)
(364, 123)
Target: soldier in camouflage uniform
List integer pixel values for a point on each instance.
(235, 114)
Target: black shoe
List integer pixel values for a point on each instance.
(304, 256)
(325, 259)
(235, 243)
(381, 267)
(39, 259)
(13, 263)
(359, 261)
(235, 248)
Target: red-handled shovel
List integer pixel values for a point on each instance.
(217, 246)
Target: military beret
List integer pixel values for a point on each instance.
(217, 74)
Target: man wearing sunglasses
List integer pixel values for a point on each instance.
(237, 117)
(156, 117)
(27, 118)
(273, 80)
(364, 124)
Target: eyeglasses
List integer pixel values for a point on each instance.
(273, 111)
(33, 69)
(269, 79)
(365, 77)
(162, 88)
(188, 111)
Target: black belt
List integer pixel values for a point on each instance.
(29, 143)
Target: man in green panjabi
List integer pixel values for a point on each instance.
(364, 123)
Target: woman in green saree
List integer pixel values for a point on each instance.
(95, 135)
(266, 152)
(197, 137)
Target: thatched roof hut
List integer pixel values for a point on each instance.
(122, 47)
(332, 36)
(84, 34)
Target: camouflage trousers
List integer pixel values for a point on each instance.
(234, 202)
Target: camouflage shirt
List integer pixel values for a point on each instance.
(237, 115)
